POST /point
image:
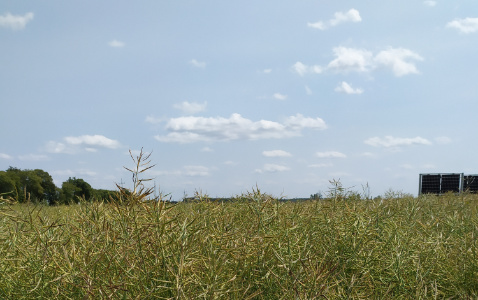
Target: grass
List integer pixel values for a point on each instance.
(254, 247)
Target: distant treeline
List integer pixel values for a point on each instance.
(38, 186)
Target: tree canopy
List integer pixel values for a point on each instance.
(37, 186)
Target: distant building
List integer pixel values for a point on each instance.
(440, 183)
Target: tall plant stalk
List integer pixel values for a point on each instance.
(139, 193)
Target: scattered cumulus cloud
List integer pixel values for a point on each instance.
(351, 59)
(276, 153)
(15, 22)
(197, 64)
(303, 69)
(352, 15)
(5, 156)
(280, 96)
(191, 108)
(272, 168)
(299, 122)
(93, 140)
(390, 141)
(195, 129)
(466, 25)
(398, 59)
(344, 87)
(430, 3)
(331, 154)
(89, 143)
(116, 44)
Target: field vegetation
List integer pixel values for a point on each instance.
(344, 246)
(254, 247)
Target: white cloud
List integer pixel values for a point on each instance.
(302, 69)
(15, 22)
(207, 149)
(90, 143)
(352, 15)
(280, 96)
(92, 140)
(466, 25)
(399, 60)
(317, 25)
(58, 147)
(194, 129)
(396, 59)
(272, 168)
(267, 71)
(191, 108)
(344, 87)
(390, 141)
(116, 44)
(276, 153)
(299, 122)
(351, 59)
(430, 3)
(5, 156)
(331, 154)
(197, 64)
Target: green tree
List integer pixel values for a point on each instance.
(31, 186)
(49, 188)
(15, 175)
(27, 184)
(7, 185)
(75, 188)
(104, 195)
(69, 193)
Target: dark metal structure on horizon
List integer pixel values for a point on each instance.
(440, 183)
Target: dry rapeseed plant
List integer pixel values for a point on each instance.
(139, 193)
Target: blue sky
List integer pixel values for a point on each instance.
(228, 95)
